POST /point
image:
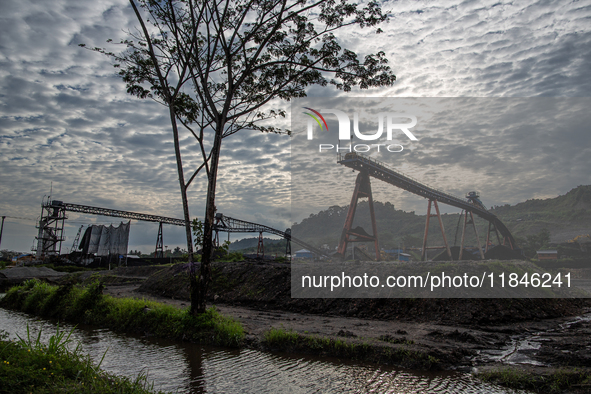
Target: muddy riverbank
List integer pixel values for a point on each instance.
(197, 369)
(467, 335)
(563, 341)
(463, 334)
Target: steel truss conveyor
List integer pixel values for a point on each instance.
(378, 170)
(118, 214)
(222, 223)
(53, 215)
(231, 225)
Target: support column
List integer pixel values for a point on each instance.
(424, 248)
(261, 247)
(487, 237)
(438, 215)
(493, 227)
(216, 238)
(216, 231)
(159, 253)
(477, 236)
(349, 235)
(51, 229)
(288, 244)
(464, 235)
(507, 240)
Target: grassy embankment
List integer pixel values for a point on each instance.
(89, 306)
(558, 381)
(280, 339)
(29, 366)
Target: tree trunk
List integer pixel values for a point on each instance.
(179, 165)
(200, 292)
(177, 150)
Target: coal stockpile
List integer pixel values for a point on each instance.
(502, 252)
(266, 286)
(455, 253)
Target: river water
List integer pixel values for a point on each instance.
(190, 368)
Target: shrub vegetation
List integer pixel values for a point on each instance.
(29, 366)
(89, 306)
(559, 381)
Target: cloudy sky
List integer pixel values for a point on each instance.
(509, 149)
(66, 121)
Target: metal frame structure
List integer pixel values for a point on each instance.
(51, 229)
(53, 215)
(261, 247)
(159, 252)
(491, 227)
(349, 235)
(380, 171)
(118, 214)
(429, 216)
(76, 240)
(466, 222)
(288, 243)
(228, 224)
(222, 223)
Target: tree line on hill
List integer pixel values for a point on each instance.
(533, 223)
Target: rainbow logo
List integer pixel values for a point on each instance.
(315, 118)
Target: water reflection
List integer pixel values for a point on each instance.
(196, 369)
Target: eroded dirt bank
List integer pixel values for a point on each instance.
(266, 286)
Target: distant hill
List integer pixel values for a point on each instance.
(564, 216)
(326, 226)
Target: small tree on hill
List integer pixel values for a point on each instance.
(218, 65)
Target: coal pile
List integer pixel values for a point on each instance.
(455, 253)
(502, 252)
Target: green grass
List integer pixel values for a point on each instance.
(231, 257)
(556, 382)
(221, 282)
(89, 306)
(280, 339)
(29, 366)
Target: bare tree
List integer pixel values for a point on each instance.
(218, 65)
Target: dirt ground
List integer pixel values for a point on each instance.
(471, 335)
(267, 286)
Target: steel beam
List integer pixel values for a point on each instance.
(119, 214)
